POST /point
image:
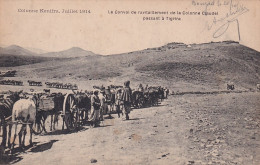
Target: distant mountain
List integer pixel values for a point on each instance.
(15, 56)
(16, 50)
(70, 53)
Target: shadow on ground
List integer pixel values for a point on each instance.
(43, 147)
(136, 118)
(65, 131)
(15, 156)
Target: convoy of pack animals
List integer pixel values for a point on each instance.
(9, 73)
(32, 109)
(11, 82)
(57, 85)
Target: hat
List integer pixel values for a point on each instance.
(127, 83)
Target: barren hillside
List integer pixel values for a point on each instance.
(194, 67)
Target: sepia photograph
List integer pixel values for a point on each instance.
(130, 82)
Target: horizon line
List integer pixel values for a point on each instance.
(27, 48)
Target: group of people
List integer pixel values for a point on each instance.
(99, 105)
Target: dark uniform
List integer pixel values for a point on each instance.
(126, 97)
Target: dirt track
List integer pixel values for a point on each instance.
(188, 129)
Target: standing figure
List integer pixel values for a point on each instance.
(146, 87)
(118, 101)
(141, 88)
(126, 97)
(95, 110)
(166, 92)
(108, 96)
(103, 104)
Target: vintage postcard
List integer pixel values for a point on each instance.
(130, 82)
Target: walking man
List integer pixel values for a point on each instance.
(102, 104)
(118, 101)
(126, 97)
(95, 109)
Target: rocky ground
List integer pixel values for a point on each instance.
(185, 129)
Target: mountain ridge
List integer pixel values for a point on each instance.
(193, 67)
(70, 53)
(16, 50)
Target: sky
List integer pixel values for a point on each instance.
(104, 33)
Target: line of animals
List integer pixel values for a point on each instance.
(34, 83)
(9, 73)
(57, 85)
(61, 85)
(72, 107)
(11, 82)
